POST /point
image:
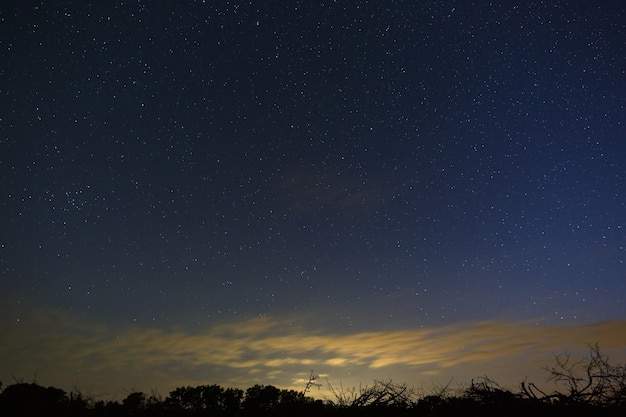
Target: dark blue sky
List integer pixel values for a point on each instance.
(352, 166)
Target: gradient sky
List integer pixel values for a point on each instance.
(235, 193)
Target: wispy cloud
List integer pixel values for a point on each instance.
(306, 189)
(67, 350)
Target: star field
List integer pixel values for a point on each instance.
(337, 167)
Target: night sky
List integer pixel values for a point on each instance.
(201, 192)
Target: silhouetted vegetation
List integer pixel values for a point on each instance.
(590, 386)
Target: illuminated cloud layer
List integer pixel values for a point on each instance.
(64, 351)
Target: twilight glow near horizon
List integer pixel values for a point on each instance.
(238, 193)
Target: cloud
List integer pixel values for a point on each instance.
(55, 345)
(308, 188)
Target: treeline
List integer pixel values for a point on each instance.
(31, 399)
(587, 387)
(481, 398)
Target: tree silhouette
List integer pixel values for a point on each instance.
(134, 403)
(24, 399)
(261, 399)
(264, 400)
(207, 399)
(592, 379)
